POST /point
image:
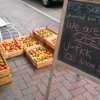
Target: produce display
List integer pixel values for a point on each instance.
(9, 46)
(40, 53)
(49, 37)
(3, 66)
(26, 41)
(44, 33)
(34, 49)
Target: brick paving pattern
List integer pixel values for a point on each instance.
(31, 84)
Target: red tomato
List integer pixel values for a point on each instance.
(1, 68)
(5, 67)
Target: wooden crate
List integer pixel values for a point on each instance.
(43, 39)
(14, 53)
(37, 64)
(32, 38)
(36, 35)
(4, 72)
(47, 41)
(5, 79)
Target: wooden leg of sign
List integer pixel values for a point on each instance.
(50, 82)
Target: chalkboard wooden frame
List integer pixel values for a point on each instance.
(56, 61)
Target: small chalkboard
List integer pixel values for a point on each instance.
(78, 45)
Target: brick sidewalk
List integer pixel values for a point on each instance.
(30, 83)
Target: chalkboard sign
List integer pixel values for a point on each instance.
(79, 43)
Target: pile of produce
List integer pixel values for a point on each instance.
(47, 34)
(9, 46)
(3, 66)
(26, 41)
(40, 54)
(44, 33)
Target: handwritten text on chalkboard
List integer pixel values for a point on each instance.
(83, 11)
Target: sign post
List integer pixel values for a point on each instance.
(78, 41)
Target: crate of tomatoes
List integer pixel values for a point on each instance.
(39, 55)
(4, 68)
(26, 41)
(46, 35)
(11, 48)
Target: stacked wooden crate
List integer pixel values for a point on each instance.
(47, 36)
(5, 74)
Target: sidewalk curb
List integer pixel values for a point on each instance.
(40, 11)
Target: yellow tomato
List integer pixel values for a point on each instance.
(7, 47)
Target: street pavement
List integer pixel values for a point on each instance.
(29, 83)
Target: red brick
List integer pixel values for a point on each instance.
(20, 72)
(69, 78)
(62, 72)
(92, 83)
(34, 82)
(78, 91)
(11, 64)
(58, 79)
(56, 86)
(26, 77)
(14, 69)
(30, 71)
(59, 68)
(79, 83)
(29, 90)
(79, 97)
(42, 88)
(16, 78)
(49, 67)
(54, 94)
(38, 96)
(67, 85)
(18, 62)
(38, 76)
(22, 85)
(24, 60)
(67, 95)
(98, 88)
(27, 97)
(45, 80)
(60, 97)
(91, 89)
(24, 66)
(17, 93)
(88, 96)
(72, 73)
(9, 86)
(8, 98)
(47, 73)
(40, 70)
